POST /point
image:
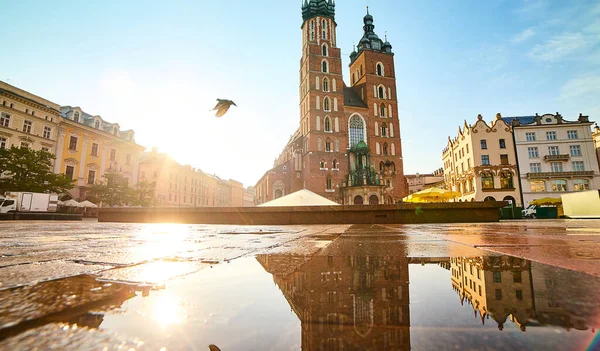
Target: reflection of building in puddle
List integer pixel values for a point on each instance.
(68, 300)
(528, 294)
(496, 287)
(356, 302)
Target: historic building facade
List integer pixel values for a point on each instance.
(347, 147)
(596, 136)
(418, 182)
(183, 186)
(27, 120)
(89, 147)
(555, 156)
(480, 162)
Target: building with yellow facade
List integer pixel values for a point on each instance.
(480, 162)
(596, 137)
(27, 120)
(89, 147)
(184, 186)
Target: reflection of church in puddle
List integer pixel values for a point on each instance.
(346, 299)
(527, 293)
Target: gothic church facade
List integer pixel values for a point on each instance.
(347, 147)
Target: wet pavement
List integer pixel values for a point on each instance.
(522, 285)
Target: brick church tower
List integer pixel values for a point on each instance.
(347, 147)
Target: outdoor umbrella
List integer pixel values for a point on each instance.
(72, 203)
(88, 204)
(434, 195)
(547, 201)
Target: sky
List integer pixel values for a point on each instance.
(157, 67)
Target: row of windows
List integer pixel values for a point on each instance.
(73, 143)
(329, 146)
(381, 92)
(506, 180)
(576, 166)
(532, 136)
(384, 131)
(379, 70)
(574, 150)
(5, 144)
(485, 160)
(501, 142)
(27, 126)
(325, 84)
(385, 150)
(326, 104)
(380, 111)
(324, 30)
(334, 165)
(559, 185)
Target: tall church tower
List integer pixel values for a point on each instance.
(373, 78)
(323, 125)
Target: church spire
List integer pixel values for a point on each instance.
(314, 8)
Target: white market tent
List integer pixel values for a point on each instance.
(88, 204)
(71, 203)
(300, 198)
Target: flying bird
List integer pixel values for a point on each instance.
(212, 347)
(223, 106)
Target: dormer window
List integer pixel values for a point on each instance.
(115, 131)
(76, 117)
(97, 124)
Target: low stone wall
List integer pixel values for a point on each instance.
(462, 212)
(46, 216)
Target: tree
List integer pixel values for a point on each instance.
(114, 190)
(144, 193)
(24, 169)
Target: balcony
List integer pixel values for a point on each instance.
(546, 175)
(550, 158)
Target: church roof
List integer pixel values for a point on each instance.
(351, 98)
(314, 8)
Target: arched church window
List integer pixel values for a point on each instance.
(385, 149)
(334, 164)
(382, 110)
(324, 67)
(326, 106)
(384, 129)
(380, 69)
(325, 84)
(324, 50)
(328, 145)
(327, 124)
(329, 184)
(356, 130)
(381, 93)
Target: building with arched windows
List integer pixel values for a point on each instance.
(347, 147)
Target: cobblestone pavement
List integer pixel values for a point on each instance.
(116, 261)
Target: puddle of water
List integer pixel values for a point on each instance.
(354, 295)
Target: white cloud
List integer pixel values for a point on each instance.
(524, 35)
(581, 87)
(532, 7)
(562, 46)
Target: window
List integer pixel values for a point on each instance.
(324, 67)
(556, 167)
(575, 150)
(326, 106)
(324, 28)
(503, 159)
(381, 93)
(324, 50)
(550, 135)
(382, 110)
(519, 294)
(328, 145)
(91, 177)
(329, 185)
(97, 124)
(578, 166)
(517, 278)
(73, 143)
(497, 277)
(484, 144)
(581, 185)
(115, 130)
(94, 149)
(530, 136)
(487, 181)
(113, 154)
(128, 159)
(559, 185)
(485, 160)
(24, 145)
(69, 171)
(325, 84)
(384, 130)
(502, 144)
(535, 167)
(506, 180)
(538, 186)
(335, 164)
(553, 150)
(572, 134)
(533, 152)
(3, 143)
(357, 130)
(27, 126)
(46, 149)
(327, 124)
(322, 165)
(385, 149)
(4, 120)
(47, 132)
(76, 117)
